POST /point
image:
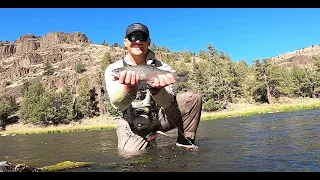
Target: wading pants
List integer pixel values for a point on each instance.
(184, 113)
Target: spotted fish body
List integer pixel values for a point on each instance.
(147, 73)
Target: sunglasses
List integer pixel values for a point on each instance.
(136, 37)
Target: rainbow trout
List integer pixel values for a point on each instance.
(147, 73)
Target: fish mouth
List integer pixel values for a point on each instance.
(116, 72)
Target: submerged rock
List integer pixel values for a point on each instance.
(6, 166)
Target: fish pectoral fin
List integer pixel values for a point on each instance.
(150, 82)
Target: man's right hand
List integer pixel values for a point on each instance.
(131, 80)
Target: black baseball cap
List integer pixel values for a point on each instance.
(136, 27)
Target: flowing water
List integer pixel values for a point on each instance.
(273, 142)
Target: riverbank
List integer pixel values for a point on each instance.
(107, 122)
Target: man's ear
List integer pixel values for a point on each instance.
(125, 42)
(149, 42)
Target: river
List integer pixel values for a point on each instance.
(272, 142)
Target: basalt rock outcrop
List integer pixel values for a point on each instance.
(27, 54)
(29, 42)
(26, 58)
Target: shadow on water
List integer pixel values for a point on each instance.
(273, 142)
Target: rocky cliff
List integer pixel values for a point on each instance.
(24, 59)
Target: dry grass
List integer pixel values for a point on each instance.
(309, 51)
(101, 122)
(284, 105)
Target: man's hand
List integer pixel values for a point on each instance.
(162, 81)
(131, 80)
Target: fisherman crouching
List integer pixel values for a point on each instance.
(147, 107)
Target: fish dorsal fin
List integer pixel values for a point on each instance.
(124, 63)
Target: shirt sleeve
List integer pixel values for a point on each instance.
(164, 97)
(119, 99)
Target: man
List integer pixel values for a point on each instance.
(145, 108)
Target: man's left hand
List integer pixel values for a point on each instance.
(163, 80)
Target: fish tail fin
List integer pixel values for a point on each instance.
(182, 76)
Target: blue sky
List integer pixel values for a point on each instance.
(244, 33)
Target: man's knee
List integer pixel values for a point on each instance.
(198, 97)
(129, 140)
(190, 95)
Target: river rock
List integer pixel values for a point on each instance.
(6, 166)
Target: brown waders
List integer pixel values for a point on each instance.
(184, 113)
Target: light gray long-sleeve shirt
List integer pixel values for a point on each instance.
(121, 100)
